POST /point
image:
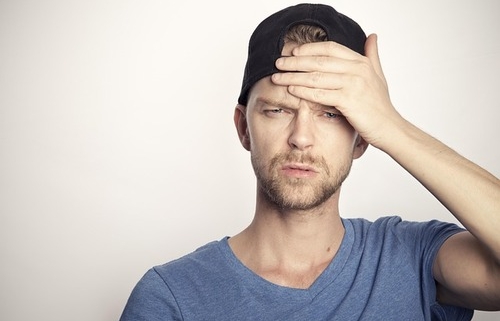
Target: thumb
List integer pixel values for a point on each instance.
(371, 51)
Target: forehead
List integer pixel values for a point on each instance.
(265, 89)
(266, 92)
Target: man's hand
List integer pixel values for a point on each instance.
(334, 75)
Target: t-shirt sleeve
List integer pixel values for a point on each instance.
(151, 300)
(423, 240)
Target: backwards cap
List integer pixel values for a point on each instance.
(267, 41)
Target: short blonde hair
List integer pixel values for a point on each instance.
(301, 34)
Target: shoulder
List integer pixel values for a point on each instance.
(159, 291)
(206, 257)
(396, 226)
(416, 239)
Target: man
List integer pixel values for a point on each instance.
(313, 98)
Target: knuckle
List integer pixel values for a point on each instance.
(330, 45)
(318, 94)
(364, 66)
(321, 60)
(316, 77)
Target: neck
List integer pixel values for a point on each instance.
(290, 242)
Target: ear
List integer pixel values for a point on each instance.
(240, 121)
(360, 147)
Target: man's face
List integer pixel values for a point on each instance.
(301, 152)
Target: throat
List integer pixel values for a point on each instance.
(290, 252)
(292, 268)
(297, 278)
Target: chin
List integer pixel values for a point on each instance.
(300, 199)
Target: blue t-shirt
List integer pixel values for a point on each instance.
(382, 271)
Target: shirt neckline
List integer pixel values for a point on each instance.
(328, 276)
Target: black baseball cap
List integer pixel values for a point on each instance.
(266, 42)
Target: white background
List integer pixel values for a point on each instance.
(117, 146)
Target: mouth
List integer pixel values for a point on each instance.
(298, 170)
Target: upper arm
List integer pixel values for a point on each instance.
(466, 274)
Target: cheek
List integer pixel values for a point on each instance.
(261, 146)
(265, 140)
(339, 140)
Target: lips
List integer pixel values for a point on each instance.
(299, 167)
(299, 170)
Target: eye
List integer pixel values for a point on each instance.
(274, 111)
(332, 115)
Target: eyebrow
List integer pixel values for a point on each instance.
(283, 104)
(272, 102)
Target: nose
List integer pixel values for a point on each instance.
(301, 132)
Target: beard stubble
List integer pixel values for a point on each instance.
(293, 193)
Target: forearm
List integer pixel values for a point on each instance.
(469, 192)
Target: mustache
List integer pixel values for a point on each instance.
(299, 157)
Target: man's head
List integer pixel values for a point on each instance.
(301, 151)
(267, 41)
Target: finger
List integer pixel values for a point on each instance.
(315, 63)
(320, 96)
(325, 48)
(371, 51)
(318, 80)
